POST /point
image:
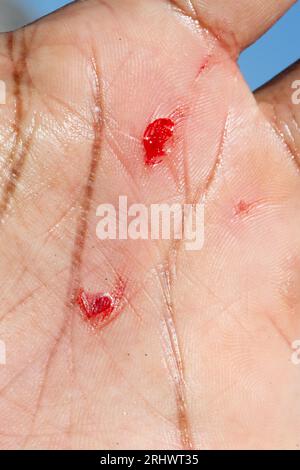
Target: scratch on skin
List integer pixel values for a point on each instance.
(167, 277)
(204, 65)
(244, 208)
(226, 38)
(174, 360)
(183, 420)
(21, 147)
(290, 148)
(82, 226)
(213, 173)
(202, 193)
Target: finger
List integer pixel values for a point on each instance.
(237, 24)
(280, 101)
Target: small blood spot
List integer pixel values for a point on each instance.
(155, 138)
(98, 306)
(244, 207)
(101, 308)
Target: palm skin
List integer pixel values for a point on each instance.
(199, 355)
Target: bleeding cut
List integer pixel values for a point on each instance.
(95, 306)
(156, 136)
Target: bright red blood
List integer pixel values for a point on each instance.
(98, 306)
(155, 138)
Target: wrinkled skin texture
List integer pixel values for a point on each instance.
(199, 352)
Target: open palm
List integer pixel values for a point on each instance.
(198, 351)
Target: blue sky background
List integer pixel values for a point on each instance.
(275, 51)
